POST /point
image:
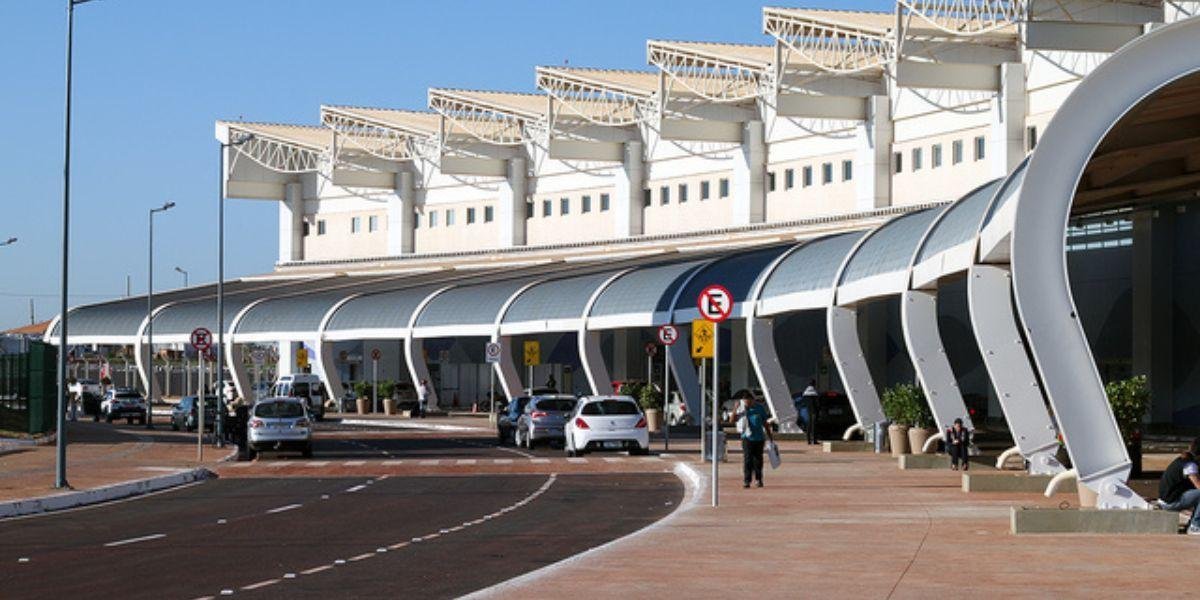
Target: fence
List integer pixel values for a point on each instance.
(28, 389)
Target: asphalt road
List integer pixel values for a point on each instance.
(313, 537)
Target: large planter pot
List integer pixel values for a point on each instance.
(898, 439)
(917, 436)
(654, 420)
(363, 405)
(389, 406)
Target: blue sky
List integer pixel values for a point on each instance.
(152, 76)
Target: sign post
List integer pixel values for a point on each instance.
(715, 304)
(533, 356)
(201, 340)
(651, 349)
(375, 356)
(668, 335)
(702, 348)
(491, 353)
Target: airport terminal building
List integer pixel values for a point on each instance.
(991, 199)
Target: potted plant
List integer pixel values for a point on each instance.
(387, 391)
(652, 403)
(895, 407)
(362, 390)
(1130, 399)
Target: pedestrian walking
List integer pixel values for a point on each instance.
(752, 425)
(422, 397)
(958, 443)
(812, 405)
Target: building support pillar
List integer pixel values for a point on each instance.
(506, 369)
(627, 198)
(401, 215)
(291, 223)
(418, 369)
(1153, 307)
(327, 367)
(592, 360)
(513, 193)
(847, 350)
(760, 339)
(683, 373)
(234, 360)
(873, 156)
(1007, 137)
(739, 356)
(919, 319)
(749, 175)
(287, 359)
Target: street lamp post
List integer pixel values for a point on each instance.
(60, 461)
(150, 321)
(220, 425)
(183, 272)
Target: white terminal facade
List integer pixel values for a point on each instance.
(853, 179)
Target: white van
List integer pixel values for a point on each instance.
(302, 385)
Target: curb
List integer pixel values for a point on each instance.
(407, 425)
(116, 491)
(46, 440)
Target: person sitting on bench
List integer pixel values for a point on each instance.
(1179, 488)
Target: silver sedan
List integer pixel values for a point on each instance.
(543, 419)
(280, 424)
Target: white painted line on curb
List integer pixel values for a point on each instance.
(284, 508)
(355, 463)
(261, 584)
(316, 463)
(502, 461)
(392, 463)
(466, 461)
(316, 569)
(144, 538)
(429, 462)
(539, 461)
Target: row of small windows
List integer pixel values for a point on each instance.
(664, 192)
(355, 225)
(564, 205)
(806, 175)
(917, 155)
(432, 217)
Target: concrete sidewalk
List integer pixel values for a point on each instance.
(855, 526)
(100, 454)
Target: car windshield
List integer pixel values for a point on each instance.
(555, 404)
(610, 407)
(279, 410)
(519, 404)
(128, 395)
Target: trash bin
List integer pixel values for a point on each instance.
(722, 450)
(879, 435)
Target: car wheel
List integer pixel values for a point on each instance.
(141, 420)
(529, 441)
(108, 418)
(307, 453)
(251, 453)
(129, 420)
(174, 425)
(517, 439)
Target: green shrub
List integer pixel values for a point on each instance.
(1129, 399)
(650, 398)
(905, 404)
(362, 389)
(386, 388)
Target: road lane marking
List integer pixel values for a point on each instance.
(502, 461)
(226, 592)
(316, 463)
(613, 459)
(316, 569)
(429, 462)
(355, 463)
(363, 556)
(144, 538)
(392, 463)
(540, 461)
(261, 584)
(466, 461)
(576, 460)
(221, 521)
(284, 508)
(289, 575)
(23, 559)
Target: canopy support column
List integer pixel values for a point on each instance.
(512, 204)
(760, 338)
(237, 371)
(327, 365)
(418, 368)
(918, 315)
(844, 344)
(627, 200)
(989, 300)
(683, 370)
(873, 156)
(592, 360)
(749, 171)
(287, 358)
(291, 224)
(506, 369)
(401, 215)
(1007, 136)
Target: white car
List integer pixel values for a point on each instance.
(280, 424)
(82, 386)
(607, 423)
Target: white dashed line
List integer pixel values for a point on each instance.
(502, 461)
(316, 569)
(392, 463)
(226, 592)
(539, 461)
(144, 538)
(289, 575)
(356, 488)
(221, 521)
(466, 461)
(355, 463)
(576, 460)
(261, 584)
(613, 459)
(316, 463)
(429, 462)
(284, 508)
(363, 556)
(23, 559)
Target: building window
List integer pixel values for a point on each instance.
(916, 159)
(470, 216)
(433, 218)
(956, 152)
(980, 148)
(1031, 138)
(682, 193)
(528, 209)
(789, 179)
(449, 217)
(664, 194)
(646, 197)
(723, 188)
(585, 204)
(564, 206)
(355, 224)
(321, 227)
(826, 173)
(898, 160)
(935, 156)
(305, 228)
(416, 220)
(373, 223)
(771, 181)
(806, 176)
(489, 213)
(704, 189)
(603, 202)
(847, 170)
(547, 208)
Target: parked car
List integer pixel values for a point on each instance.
(280, 423)
(90, 404)
(123, 403)
(302, 385)
(677, 411)
(543, 419)
(607, 423)
(261, 390)
(183, 416)
(85, 386)
(506, 423)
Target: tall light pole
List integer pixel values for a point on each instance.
(60, 461)
(150, 319)
(8, 242)
(220, 425)
(183, 272)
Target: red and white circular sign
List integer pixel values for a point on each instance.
(668, 335)
(376, 354)
(651, 348)
(201, 339)
(715, 303)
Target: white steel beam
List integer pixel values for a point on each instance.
(873, 156)
(813, 106)
(628, 211)
(1080, 37)
(700, 131)
(844, 344)
(470, 165)
(760, 340)
(918, 313)
(915, 74)
(568, 149)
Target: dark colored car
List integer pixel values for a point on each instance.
(506, 423)
(91, 405)
(183, 416)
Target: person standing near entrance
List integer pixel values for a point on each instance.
(812, 404)
(422, 397)
(752, 424)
